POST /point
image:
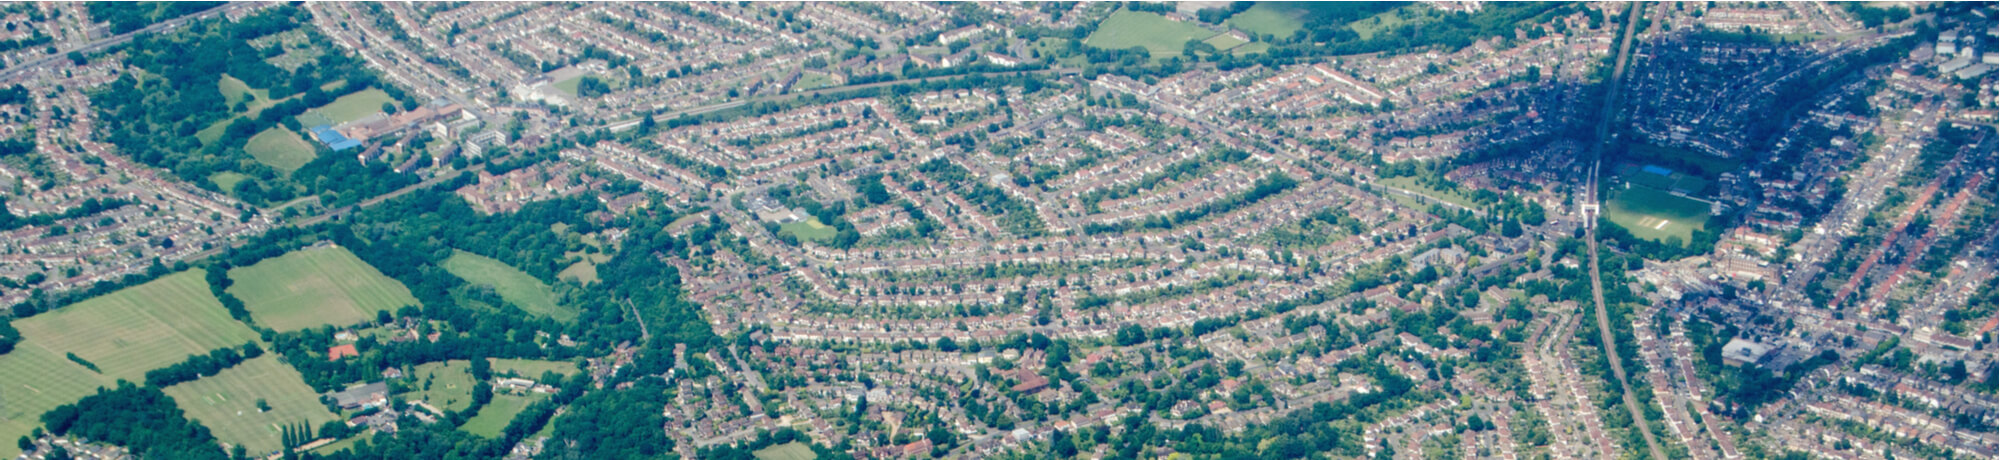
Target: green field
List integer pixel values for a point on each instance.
(1387, 20)
(446, 385)
(511, 283)
(315, 286)
(788, 451)
(34, 380)
(1410, 184)
(233, 91)
(568, 86)
(350, 107)
(808, 229)
(227, 403)
(280, 148)
(343, 444)
(814, 80)
(494, 418)
(1656, 215)
(141, 328)
(1161, 36)
(1275, 19)
(1251, 48)
(1224, 42)
(584, 270)
(531, 369)
(227, 180)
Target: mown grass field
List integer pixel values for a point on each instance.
(1655, 215)
(227, 403)
(351, 107)
(531, 369)
(1266, 18)
(280, 148)
(568, 86)
(446, 385)
(140, 328)
(1410, 184)
(788, 451)
(809, 229)
(227, 180)
(494, 418)
(316, 286)
(1160, 36)
(34, 380)
(513, 285)
(233, 91)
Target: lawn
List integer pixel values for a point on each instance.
(808, 229)
(1387, 20)
(140, 328)
(34, 380)
(814, 80)
(494, 418)
(583, 271)
(1410, 184)
(315, 286)
(1656, 215)
(227, 180)
(446, 385)
(568, 86)
(343, 444)
(512, 284)
(1223, 42)
(1268, 18)
(234, 90)
(531, 369)
(788, 451)
(1251, 48)
(1161, 36)
(280, 148)
(227, 403)
(351, 107)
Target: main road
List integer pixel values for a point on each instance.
(1609, 342)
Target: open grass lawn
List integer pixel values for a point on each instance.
(814, 80)
(1224, 42)
(1410, 184)
(808, 229)
(343, 444)
(1267, 18)
(788, 451)
(1655, 215)
(494, 418)
(568, 86)
(1387, 20)
(281, 148)
(141, 328)
(511, 283)
(227, 180)
(234, 90)
(1161, 36)
(227, 403)
(531, 369)
(34, 380)
(446, 385)
(1251, 48)
(351, 107)
(315, 286)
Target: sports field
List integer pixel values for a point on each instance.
(1654, 214)
(788, 451)
(351, 107)
(1266, 18)
(446, 385)
(511, 283)
(314, 286)
(808, 229)
(140, 328)
(531, 369)
(34, 380)
(494, 418)
(1160, 36)
(280, 148)
(227, 403)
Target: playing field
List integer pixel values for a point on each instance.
(531, 369)
(280, 148)
(140, 328)
(568, 86)
(1160, 36)
(34, 380)
(446, 385)
(788, 451)
(1409, 184)
(1266, 18)
(227, 403)
(511, 283)
(494, 418)
(1224, 42)
(1656, 215)
(314, 286)
(808, 229)
(350, 107)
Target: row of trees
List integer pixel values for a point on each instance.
(198, 366)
